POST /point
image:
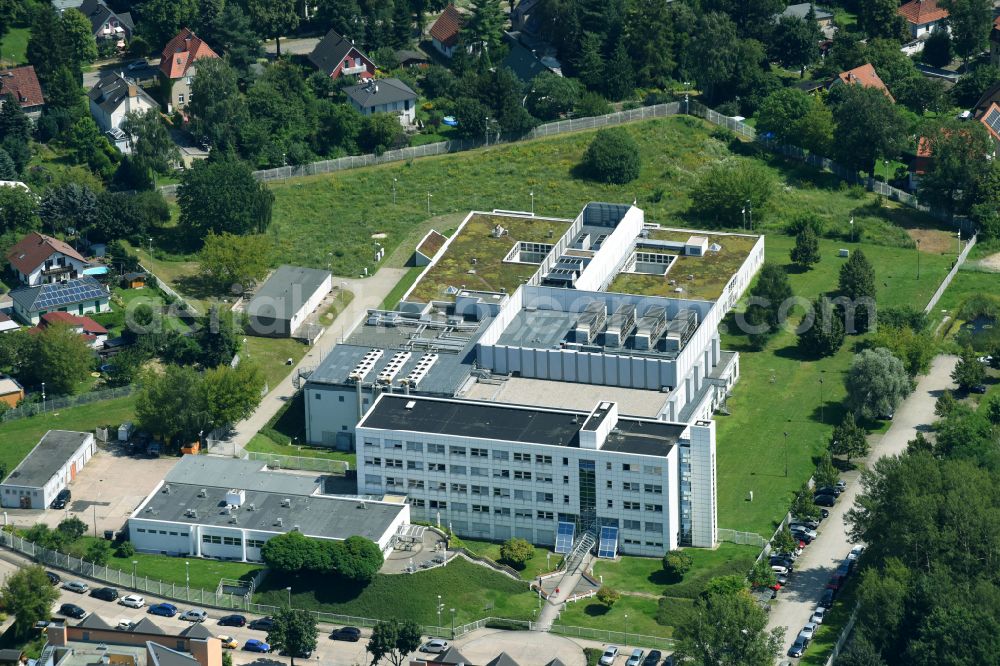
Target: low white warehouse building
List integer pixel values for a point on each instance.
(47, 469)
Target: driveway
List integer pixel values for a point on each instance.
(143, 75)
(296, 46)
(821, 558)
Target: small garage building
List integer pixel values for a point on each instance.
(48, 468)
(284, 301)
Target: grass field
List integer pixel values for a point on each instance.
(205, 574)
(968, 282)
(641, 612)
(18, 437)
(646, 575)
(473, 591)
(397, 292)
(272, 355)
(264, 444)
(780, 392)
(533, 568)
(13, 47)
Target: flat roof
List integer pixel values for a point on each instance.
(698, 277)
(513, 423)
(554, 394)
(226, 473)
(287, 289)
(475, 240)
(49, 455)
(314, 515)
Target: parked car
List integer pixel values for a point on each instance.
(194, 615)
(806, 522)
(782, 561)
(803, 538)
(818, 615)
(824, 500)
(855, 552)
(824, 513)
(77, 586)
(228, 641)
(72, 610)
(300, 655)
(841, 485)
(137, 65)
(54, 578)
(802, 529)
(435, 646)
(808, 631)
(652, 658)
(164, 610)
(255, 645)
(828, 490)
(979, 388)
(798, 647)
(105, 593)
(232, 621)
(352, 634)
(779, 570)
(836, 582)
(826, 601)
(608, 658)
(635, 658)
(132, 601)
(263, 623)
(62, 499)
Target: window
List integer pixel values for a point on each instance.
(655, 508)
(522, 495)
(373, 480)
(633, 542)
(416, 484)
(414, 464)
(435, 467)
(543, 497)
(180, 98)
(654, 527)
(522, 514)
(652, 488)
(611, 504)
(140, 529)
(630, 486)
(480, 490)
(479, 471)
(371, 442)
(655, 544)
(480, 508)
(255, 543)
(208, 538)
(457, 450)
(545, 515)
(393, 462)
(501, 511)
(415, 446)
(544, 478)
(458, 470)
(438, 504)
(393, 444)
(174, 534)
(565, 461)
(500, 455)
(501, 474)
(340, 397)
(435, 448)
(522, 476)
(652, 469)
(565, 499)
(631, 524)
(479, 453)
(391, 482)
(377, 462)
(610, 484)
(543, 460)
(626, 467)
(419, 503)
(607, 466)
(163, 532)
(459, 507)
(522, 457)
(630, 506)
(232, 541)
(459, 488)
(501, 492)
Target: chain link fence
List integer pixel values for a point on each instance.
(50, 404)
(741, 538)
(609, 636)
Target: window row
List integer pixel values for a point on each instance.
(458, 451)
(221, 540)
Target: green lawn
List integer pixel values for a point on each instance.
(14, 45)
(284, 433)
(779, 391)
(264, 444)
(641, 613)
(472, 590)
(205, 574)
(272, 355)
(533, 568)
(125, 300)
(397, 292)
(18, 437)
(645, 574)
(968, 282)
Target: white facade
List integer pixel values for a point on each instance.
(134, 102)
(489, 488)
(406, 110)
(312, 302)
(55, 267)
(35, 492)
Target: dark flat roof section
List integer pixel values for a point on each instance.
(46, 458)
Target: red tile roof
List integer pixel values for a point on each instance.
(922, 12)
(866, 76)
(89, 326)
(22, 83)
(32, 250)
(922, 160)
(447, 26)
(181, 52)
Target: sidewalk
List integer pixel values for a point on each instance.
(368, 293)
(566, 588)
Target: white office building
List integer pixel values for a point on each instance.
(495, 471)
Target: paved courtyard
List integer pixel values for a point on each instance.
(527, 648)
(411, 555)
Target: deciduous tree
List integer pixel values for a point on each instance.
(393, 640)
(876, 383)
(273, 18)
(221, 195)
(955, 165)
(516, 552)
(849, 439)
(727, 630)
(795, 42)
(867, 124)
(806, 250)
(152, 147)
(235, 261)
(722, 191)
(18, 211)
(970, 21)
(552, 95)
(779, 112)
(160, 20)
(28, 595)
(98, 552)
(608, 595)
(612, 157)
(969, 371)
(294, 632)
(232, 394)
(879, 18)
(357, 559)
(62, 359)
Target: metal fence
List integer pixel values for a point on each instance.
(50, 404)
(608, 636)
(844, 634)
(299, 462)
(457, 145)
(742, 538)
(166, 288)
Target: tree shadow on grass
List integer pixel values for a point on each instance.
(596, 610)
(325, 589)
(661, 577)
(200, 286)
(794, 353)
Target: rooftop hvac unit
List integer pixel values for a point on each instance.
(392, 368)
(233, 520)
(365, 365)
(590, 322)
(166, 489)
(203, 492)
(251, 507)
(620, 324)
(191, 513)
(423, 366)
(286, 502)
(278, 522)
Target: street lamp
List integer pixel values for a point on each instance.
(440, 607)
(786, 453)
(744, 211)
(289, 591)
(394, 190)
(532, 195)
(959, 236)
(750, 213)
(486, 131)
(452, 624)
(134, 564)
(187, 577)
(150, 239)
(822, 404)
(43, 396)
(852, 229)
(626, 628)
(429, 195)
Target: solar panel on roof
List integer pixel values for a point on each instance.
(564, 537)
(608, 546)
(993, 120)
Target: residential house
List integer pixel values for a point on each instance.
(62, 5)
(384, 96)
(82, 296)
(526, 63)
(337, 56)
(11, 392)
(178, 68)
(991, 120)
(22, 83)
(919, 164)
(523, 18)
(95, 334)
(444, 32)
(107, 24)
(112, 99)
(866, 76)
(923, 17)
(824, 19)
(411, 58)
(995, 43)
(39, 259)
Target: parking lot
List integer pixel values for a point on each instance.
(109, 488)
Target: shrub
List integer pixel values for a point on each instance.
(125, 549)
(723, 190)
(608, 595)
(677, 563)
(612, 157)
(516, 552)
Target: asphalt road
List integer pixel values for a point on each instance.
(821, 558)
